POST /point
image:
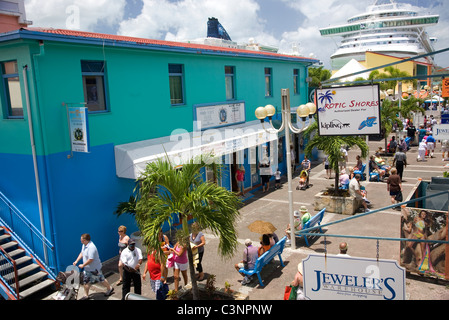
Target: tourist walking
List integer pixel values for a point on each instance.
(92, 267)
(422, 149)
(122, 244)
(430, 141)
(240, 178)
(199, 241)
(400, 161)
(394, 186)
(181, 261)
(131, 258)
(445, 148)
(154, 268)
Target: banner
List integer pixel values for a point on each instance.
(351, 110)
(219, 115)
(79, 128)
(342, 277)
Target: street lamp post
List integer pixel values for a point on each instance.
(303, 111)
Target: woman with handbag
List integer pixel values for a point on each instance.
(394, 186)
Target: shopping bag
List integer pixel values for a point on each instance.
(290, 292)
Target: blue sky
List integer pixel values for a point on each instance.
(281, 23)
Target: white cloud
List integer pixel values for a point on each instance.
(70, 14)
(183, 20)
(187, 19)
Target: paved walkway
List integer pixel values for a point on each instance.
(273, 206)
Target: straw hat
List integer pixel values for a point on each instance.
(303, 209)
(300, 268)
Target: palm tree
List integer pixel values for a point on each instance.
(390, 73)
(318, 75)
(331, 145)
(166, 193)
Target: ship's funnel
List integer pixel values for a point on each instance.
(216, 30)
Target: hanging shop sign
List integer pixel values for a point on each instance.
(79, 128)
(441, 131)
(208, 116)
(335, 277)
(445, 88)
(351, 110)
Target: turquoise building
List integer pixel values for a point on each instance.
(134, 100)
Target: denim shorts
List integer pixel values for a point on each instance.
(93, 277)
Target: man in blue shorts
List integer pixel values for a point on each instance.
(92, 267)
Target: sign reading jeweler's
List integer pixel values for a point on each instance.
(351, 110)
(335, 277)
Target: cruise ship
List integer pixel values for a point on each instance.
(387, 28)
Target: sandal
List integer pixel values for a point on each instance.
(119, 282)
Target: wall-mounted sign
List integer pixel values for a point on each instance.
(348, 110)
(210, 116)
(441, 131)
(335, 277)
(79, 128)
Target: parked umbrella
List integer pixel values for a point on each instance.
(262, 227)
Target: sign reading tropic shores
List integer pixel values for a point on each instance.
(348, 110)
(79, 129)
(335, 277)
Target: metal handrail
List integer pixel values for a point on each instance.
(27, 222)
(13, 263)
(28, 235)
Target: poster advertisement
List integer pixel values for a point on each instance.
(79, 128)
(424, 258)
(351, 110)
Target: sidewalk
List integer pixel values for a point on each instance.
(273, 206)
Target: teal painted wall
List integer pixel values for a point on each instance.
(81, 193)
(138, 92)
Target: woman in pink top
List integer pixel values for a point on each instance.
(181, 263)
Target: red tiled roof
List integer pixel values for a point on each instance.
(144, 41)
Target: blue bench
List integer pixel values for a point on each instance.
(361, 172)
(315, 220)
(265, 258)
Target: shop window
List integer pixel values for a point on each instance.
(295, 81)
(12, 95)
(230, 82)
(176, 79)
(93, 73)
(268, 82)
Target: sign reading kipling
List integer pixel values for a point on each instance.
(348, 110)
(336, 277)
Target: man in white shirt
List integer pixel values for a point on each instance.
(92, 266)
(131, 257)
(354, 190)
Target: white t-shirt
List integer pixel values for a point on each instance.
(131, 258)
(277, 175)
(90, 252)
(353, 187)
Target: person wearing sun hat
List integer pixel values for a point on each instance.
(305, 215)
(298, 282)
